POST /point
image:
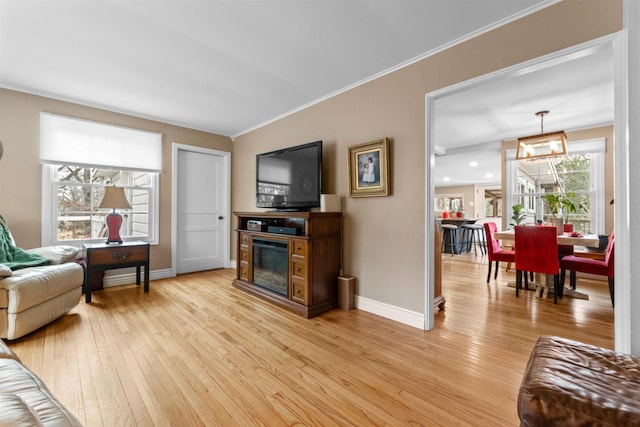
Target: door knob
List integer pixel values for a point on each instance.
(220, 217)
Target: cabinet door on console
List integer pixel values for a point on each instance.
(245, 240)
(299, 271)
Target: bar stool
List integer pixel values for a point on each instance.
(473, 234)
(453, 234)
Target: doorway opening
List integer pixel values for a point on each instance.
(530, 69)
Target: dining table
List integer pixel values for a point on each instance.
(569, 239)
(586, 240)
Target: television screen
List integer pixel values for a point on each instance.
(290, 178)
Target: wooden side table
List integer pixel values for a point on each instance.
(101, 256)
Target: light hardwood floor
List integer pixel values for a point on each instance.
(196, 351)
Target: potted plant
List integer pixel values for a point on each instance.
(562, 204)
(519, 216)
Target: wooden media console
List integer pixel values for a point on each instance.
(291, 259)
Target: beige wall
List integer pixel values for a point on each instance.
(384, 236)
(21, 172)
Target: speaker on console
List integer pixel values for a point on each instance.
(330, 203)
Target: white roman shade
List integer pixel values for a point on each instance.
(69, 141)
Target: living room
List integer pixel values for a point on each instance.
(383, 237)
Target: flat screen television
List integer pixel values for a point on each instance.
(290, 178)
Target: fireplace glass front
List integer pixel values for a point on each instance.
(271, 265)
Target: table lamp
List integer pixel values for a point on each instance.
(114, 198)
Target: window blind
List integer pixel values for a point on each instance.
(70, 141)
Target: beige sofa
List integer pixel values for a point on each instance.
(33, 297)
(24, 399)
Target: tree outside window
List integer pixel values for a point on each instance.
(79, 191)
(571, 174)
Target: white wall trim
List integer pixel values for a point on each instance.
(622, 323)
(429, 209)
(627, 332)
(129, 277)
(389, 311)
(226, 156)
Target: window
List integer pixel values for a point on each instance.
(80, 159)
(77, 192)
(579, 175)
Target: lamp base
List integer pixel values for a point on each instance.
(114, 221)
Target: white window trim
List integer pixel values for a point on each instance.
(49, 236)
(594, 146)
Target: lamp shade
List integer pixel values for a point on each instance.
(114, 198)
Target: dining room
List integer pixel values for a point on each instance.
(572, 192)
(478, 177)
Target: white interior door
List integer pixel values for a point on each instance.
(201, 220)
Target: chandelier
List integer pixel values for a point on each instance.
(543, 145)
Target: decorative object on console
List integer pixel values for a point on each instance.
(330, 203)
(369, 169)
(255, 225)
(542, 145)
(114, 198)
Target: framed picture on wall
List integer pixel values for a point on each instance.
(369, 169)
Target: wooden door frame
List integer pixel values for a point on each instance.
(226, 200)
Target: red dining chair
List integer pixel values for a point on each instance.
(564, 250)
(591, 266)
(537, 251)
(494, 252)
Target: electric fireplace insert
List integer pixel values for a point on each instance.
(271, 265)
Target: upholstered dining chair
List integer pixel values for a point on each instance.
(564, 250)
(537, 252)
(592, 266)
(494, 252)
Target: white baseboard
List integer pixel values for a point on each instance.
(398, 314)
(388, 311)
(129, 277)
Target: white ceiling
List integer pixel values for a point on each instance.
(224, 66)
(228, 66)
(470, 123)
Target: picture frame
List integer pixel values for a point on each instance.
(369, 169)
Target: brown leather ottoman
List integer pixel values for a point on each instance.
(568, 383)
